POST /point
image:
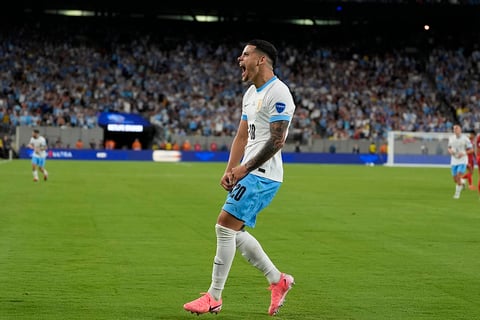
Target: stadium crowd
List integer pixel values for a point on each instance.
(184, 86)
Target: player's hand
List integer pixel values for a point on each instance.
(227, 181)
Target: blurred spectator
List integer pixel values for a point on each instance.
(332, 149)
(297, 146)
(424, 149)
(186, 146)
(8, 147)
(175, 146)
(372, 148)
(109, 144)
(224, 147)
(136, 145)
(383, 148)
(79, 144)
(93, 144)
(3, 153)
(197, 146)
(213, 146)
(356, 149)
(58, 144)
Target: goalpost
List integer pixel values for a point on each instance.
(418, 149)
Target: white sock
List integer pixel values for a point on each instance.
(45, 173)
(223, 260)
(458, 189)
(35, 174)
(254, 253)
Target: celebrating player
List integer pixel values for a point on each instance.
(253, 176)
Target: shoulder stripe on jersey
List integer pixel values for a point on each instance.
(280, 117)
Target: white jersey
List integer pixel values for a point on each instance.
(39, 146)
(459, 145)
(269, 103)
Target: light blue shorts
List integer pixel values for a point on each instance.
(39, 162)
(249, 196)
(459, 169)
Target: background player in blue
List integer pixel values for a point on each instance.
(459, 146)
(253, 176)
(39, 156)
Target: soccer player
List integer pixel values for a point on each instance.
(477, 153)
(39, 156)
(468, 176)
(253, 175)
(459, 146)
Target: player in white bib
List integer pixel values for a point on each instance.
(39, 146)
(459, 146)
(253, 176)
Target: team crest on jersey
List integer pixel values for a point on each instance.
(280, 106)
(259, 104)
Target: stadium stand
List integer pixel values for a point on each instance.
(354, 81)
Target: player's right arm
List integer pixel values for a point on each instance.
(451, 151)
(30, 144)
(237, 151)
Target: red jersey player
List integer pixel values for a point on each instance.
(471, 160)
(476, 148)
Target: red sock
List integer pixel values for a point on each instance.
(468, 175)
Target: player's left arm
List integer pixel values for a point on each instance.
(278, 131)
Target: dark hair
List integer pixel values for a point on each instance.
(265, 47)
(36, 130)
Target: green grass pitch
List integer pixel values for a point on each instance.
(136, 240)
